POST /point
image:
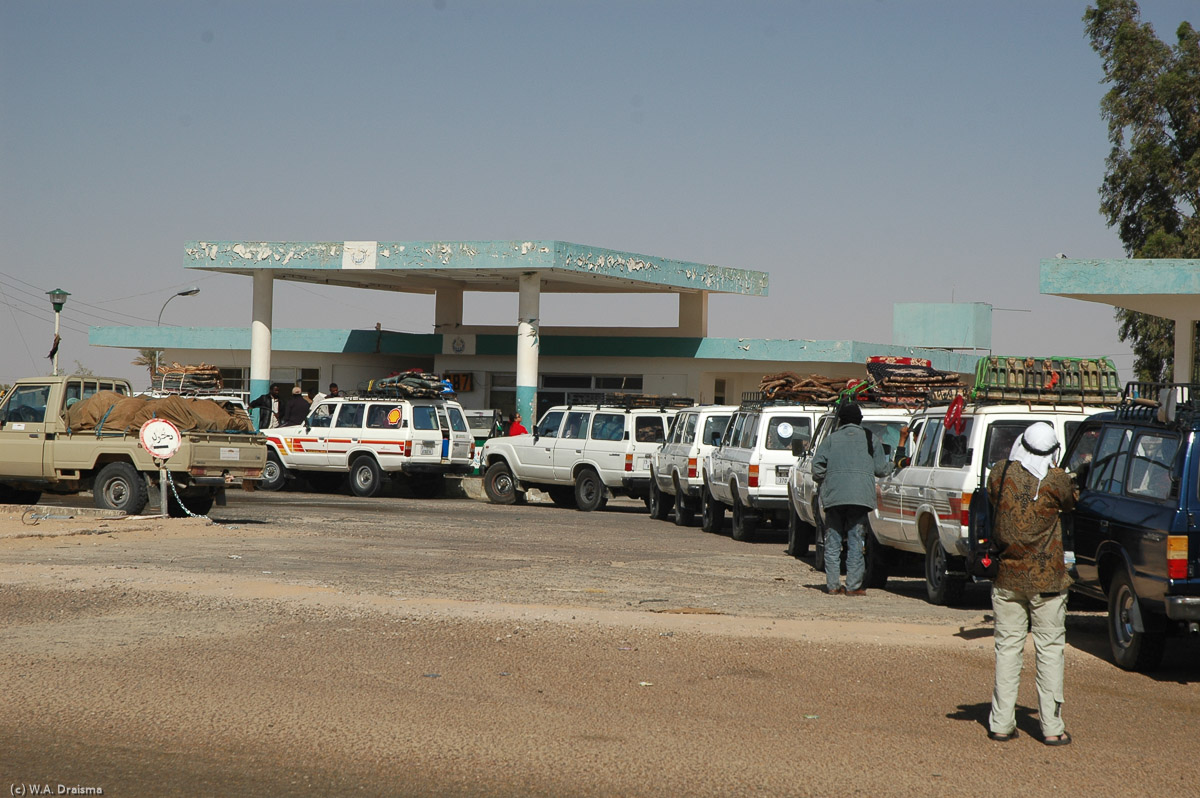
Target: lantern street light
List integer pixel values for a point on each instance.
(185, 292)
(58, 298)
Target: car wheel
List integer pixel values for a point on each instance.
(119, 486)
(878, 562)
(660, 504)
(940, 586)
(1132, 650)
(712, 513)
(800, 534)
(685, 514)
(195, 505)
(499, 485)
(589, 491)
(366, 478)
(745, 523)
(562, 496)
(274, 473)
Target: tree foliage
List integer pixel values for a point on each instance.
(147, 359)
(1151, 188)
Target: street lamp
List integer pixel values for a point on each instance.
(185, 292)
(58, 298)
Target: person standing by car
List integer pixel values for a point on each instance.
(515, 427)
(268, 406)
(1030, 590)
(296, 410)
(844, 467)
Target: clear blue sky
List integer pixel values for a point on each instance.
(861, 152)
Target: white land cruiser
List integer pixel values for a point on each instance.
(677, 468)
(368, 437)
(748, 470)
(805, 523)
(579, 454)
(923, 505)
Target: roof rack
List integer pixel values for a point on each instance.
(757, 400)
(635, 401)
(1164, 402)
(1047, 379)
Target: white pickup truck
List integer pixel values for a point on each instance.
(580, 454)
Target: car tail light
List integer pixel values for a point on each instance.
(1177, 554)
(753, 480)
(691, 468)
(408, 448)
(960, 508)
(472, 448)
(629, 462)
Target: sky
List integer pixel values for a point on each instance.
(862, 152)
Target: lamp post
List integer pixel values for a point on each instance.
(58, 298)
(185, 292)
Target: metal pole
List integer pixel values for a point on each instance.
(162, 490)
(57, 313)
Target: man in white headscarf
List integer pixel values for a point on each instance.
(1030, 591)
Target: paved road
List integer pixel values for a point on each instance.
(326, 644)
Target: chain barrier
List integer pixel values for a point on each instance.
(179, 501)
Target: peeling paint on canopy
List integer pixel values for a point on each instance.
(422, 266)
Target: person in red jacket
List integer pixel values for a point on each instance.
(515, 427)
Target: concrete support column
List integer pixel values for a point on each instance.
(260, 334)
(693, 314)
(528, 345)
(447, 310)
(1184, 344)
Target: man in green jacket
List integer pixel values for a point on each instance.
(845, 466)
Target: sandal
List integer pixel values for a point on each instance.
(1002, 738)
(1062, 739)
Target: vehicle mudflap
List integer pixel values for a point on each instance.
(220, 497)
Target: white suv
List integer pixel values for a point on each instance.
(579, 454)
(677, 468)
(923, 505)
(748, 471)
(368, 437)
(805, 522)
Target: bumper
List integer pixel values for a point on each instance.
(1183, 608)
(636, 486)
(768, 502)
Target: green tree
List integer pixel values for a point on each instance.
(1151, 188)
(147, 358)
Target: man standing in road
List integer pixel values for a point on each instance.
(844, 467)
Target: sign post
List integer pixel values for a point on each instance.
(161, 439)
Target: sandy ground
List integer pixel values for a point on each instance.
(162, 676)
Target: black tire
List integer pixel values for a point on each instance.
(366, 477)
(940, 586)
(499, 485)
(685, 514)
(590, 493)
(119, 486)
(712, 513)
(878, 561)
(660, 503)
(745, 522)
(274, 473)
(1132, 650)
(15, 496)
(800, 533)
(196, 505)
(562, 496)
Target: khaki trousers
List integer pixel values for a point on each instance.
(1017, 613)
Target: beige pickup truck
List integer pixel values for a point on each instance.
(50, 443)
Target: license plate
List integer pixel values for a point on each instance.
(643, 463)
(427, 447)
(781, 474)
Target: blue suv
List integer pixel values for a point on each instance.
(1136, 527)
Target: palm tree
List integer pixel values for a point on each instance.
(147, 358)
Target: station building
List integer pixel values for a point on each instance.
(524, 365)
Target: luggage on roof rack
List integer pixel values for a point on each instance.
(1054, 379)
(788, 386)
(645, 400)
(910, 381)
(756, 400)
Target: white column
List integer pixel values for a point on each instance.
(528, 345)
(260, 333)
(1184, 334)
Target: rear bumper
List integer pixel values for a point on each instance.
(1183, 608)
(636, 486)
(768, 502)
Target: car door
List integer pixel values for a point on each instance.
(534, 452)
(568, 448)
(344, 433)
(308, 447)
(23, 433)
(648, 433)
(461, 437)
(913, 481)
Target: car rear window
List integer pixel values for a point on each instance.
(801, 429)
(424, 417)
(649, 429)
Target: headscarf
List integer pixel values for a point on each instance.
(1036, 450)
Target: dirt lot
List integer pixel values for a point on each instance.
(395, 647)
